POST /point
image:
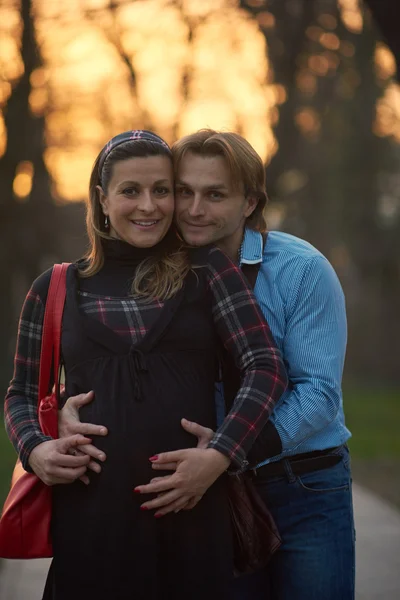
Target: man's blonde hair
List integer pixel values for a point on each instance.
(245, 165)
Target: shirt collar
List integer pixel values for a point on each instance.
(252, 247)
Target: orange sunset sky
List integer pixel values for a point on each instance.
(220, 79)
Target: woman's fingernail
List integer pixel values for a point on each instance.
(102, 457)
(158, 515)
(144, 508)
(153, 458)
(103, 431)
(136, 491)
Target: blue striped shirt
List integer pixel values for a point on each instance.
(303, 302)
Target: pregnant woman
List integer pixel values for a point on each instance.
(142, 321)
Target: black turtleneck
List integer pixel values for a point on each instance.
(120, 262)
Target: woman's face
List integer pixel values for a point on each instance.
(139, 201)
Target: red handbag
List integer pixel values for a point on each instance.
(26, 517)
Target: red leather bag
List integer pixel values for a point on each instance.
(26, 517)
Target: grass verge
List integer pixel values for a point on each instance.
(7, 461)
(373, 417)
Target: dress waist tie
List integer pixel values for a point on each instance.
(137, 365)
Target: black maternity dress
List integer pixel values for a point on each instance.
(150, 363)
(157, 368)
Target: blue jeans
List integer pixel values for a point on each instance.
(314, 515)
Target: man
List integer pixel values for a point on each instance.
(303, 471)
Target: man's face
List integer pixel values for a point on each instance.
(209, 208)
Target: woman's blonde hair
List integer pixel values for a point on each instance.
(158, 276)
(245, 165)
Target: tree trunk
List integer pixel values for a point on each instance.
(336, 205)
(26, 227)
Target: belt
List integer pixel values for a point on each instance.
(301, 463)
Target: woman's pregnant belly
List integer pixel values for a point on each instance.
(106, 513)
(174, 386)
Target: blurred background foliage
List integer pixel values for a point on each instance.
(312, 84)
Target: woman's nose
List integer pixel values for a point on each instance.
(146, 202)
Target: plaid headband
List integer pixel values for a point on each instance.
(129, 136)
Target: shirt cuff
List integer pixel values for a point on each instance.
(235, 453)
(267, 444)
(27, 447)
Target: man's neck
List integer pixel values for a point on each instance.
(232, 244)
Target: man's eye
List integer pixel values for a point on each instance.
(214, 195)
(181, 191)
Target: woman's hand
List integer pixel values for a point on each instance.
(52, 463)
(196, 471)
(69, 424)
(204, 436)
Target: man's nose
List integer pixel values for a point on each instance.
(196, 207)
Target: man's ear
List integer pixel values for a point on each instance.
(103, 199)
(251, 205)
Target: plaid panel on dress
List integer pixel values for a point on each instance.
(131, 318)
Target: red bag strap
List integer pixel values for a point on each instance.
(51, 334)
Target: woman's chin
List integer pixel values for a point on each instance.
(144, 239)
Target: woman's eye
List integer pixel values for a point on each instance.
(162, 190)
(130, 191)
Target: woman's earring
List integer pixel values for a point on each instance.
(106, 223)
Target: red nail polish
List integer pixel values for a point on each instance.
(144, 508)
(153, 458)
(136, 491)
(158, 515)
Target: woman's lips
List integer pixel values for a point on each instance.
(146, 225)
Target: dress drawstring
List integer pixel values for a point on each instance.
(137, 364)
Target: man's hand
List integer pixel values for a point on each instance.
(196, 471)
(53, 464)
(70, 424)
